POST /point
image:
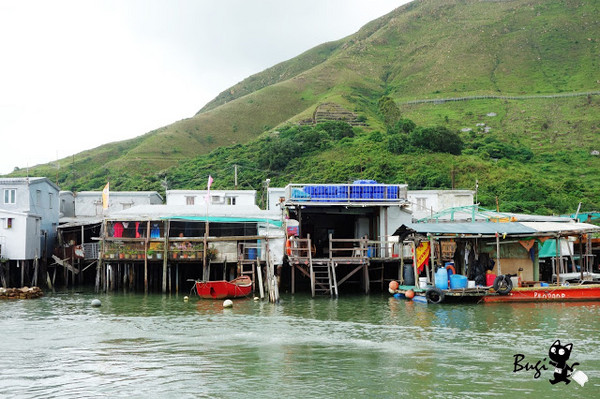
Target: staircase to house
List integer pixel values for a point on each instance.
(323, 279)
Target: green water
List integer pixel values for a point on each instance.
(156, 346)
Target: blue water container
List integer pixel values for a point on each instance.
(392, 192)
(378, 192)
(441, 278)
(252, 253)
(458, 281)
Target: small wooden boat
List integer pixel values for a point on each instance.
(221, 289)
(552, 293)
(435, 295)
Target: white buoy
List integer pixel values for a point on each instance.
(256, 298)
(186, 298)
(228, 303)
(96, 303)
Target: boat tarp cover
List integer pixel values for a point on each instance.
(548, 248)
(225, 219)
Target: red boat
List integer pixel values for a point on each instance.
(221, 289)
(555, 293)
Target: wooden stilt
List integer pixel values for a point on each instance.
(34, 280)
(22, 266)
(177, 278)
(415, 269)
(260, 281)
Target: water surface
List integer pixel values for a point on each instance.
(157, 346)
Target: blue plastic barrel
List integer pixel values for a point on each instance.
(441, 278)
(251, 253)
(409, 275)
(458, 281)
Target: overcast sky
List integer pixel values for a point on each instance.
(78, 74)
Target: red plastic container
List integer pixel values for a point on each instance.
(489, 279)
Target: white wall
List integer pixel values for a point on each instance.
(275, 193)
(67, 204)
(22, 240)
(37, 199)
(217, 197)
(89, 203)
(425, 202)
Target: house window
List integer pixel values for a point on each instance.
(230, 200)
(38, 197)
(189, 200)
(10, 195)
(422, 203)
(9, 223)
(49, 200)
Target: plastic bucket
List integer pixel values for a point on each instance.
(515, 281)
(470, 284)
(423, 282)
(441, 278)
(252, 253)
(409, 275)
(489, 279)
(458, 281)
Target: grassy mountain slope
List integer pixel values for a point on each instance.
(424, 50)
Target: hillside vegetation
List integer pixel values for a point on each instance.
(530, 154)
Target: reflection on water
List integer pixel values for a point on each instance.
(359, 346)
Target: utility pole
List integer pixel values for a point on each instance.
(235, 184)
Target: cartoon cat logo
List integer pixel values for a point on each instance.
(559, 354)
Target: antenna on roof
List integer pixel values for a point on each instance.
(165, 183)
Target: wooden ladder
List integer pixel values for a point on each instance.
(323, 279)
(248, 268)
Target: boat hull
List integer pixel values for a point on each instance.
(238, 288)
(548, 294)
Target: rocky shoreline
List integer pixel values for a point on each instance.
(21, 293)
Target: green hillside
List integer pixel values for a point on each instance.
(531, 148)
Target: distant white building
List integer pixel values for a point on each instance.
(67, 204)
(89, 203)
(241, 198)
(424, 203)
(29, 213)
(276, 198)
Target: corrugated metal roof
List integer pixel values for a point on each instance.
(484, 228)
(554, 227)
(509, 228)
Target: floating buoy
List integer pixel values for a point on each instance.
(394, 285)
(228, 303)
(96, 303)
(186, 298)
(256, 298)
(409, 294)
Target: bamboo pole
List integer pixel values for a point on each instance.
(498, 253)
(558, 258)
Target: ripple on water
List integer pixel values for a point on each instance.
(158, 346)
